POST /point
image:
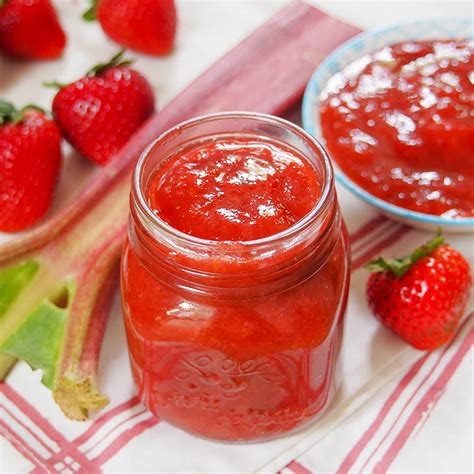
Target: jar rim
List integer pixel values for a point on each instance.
(138, 193)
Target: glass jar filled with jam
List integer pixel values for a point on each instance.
(235, 277)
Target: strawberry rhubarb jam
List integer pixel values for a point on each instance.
(235, 277)
(400, 123)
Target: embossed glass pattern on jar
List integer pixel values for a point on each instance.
(235, 341)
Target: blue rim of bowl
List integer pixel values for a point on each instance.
(308, 109)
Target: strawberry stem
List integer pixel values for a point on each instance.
(399, 266)
(97, 70)
(115, 61)
(55, 84)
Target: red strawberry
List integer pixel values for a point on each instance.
(421, 297)
(30, 158)
(29, 29)
(148, 26)
(98, 113)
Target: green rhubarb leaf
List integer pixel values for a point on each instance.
(38, 339)
(13, 280)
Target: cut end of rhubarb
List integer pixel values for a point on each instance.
(78, 398)
(46, 322)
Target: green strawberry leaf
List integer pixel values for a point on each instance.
(399, 266)
(97, 70)
(115, 61)
(9, 113)
(91, 13)
(55, 85)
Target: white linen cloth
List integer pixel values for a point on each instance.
(398, 409)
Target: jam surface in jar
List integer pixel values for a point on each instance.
(400, 123)
(234, 189)
(235, 343)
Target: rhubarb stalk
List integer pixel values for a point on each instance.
(57, 281)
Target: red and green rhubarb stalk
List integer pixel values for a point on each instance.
(57, 281)
(56, 285)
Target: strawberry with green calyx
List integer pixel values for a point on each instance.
(9, 113)
(148, 26)
(30, 29)
(30, 159)
(422, 296)
(98, 113)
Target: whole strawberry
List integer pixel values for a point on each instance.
(98, 113)
(30, 29)
(148, 26)
(30, 158)
(421, 297)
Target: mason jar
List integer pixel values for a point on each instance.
(235, 340)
